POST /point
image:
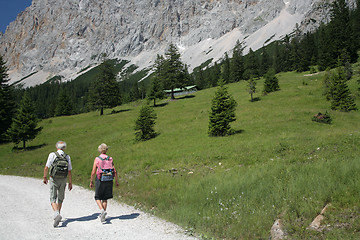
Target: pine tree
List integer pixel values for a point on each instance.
(271, 83)
(264, 61)
(286, 63)
(251, 65)
(324, 58)
(327, 84)
(105, 92)
(7, 102)
(142, 90)
(356, 25)
(135, 92)
(175, 72)
(64, 105)
(340, 94)
(225, 69)
(144, 125)
(252, 87)
(277, 60)
(222, 112)
(341, 32)
(215, 75)
(24, 126)
(156, 90)
(199, 78)
(237, 67)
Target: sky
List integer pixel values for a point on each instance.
(9, 9)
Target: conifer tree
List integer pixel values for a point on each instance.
(237, 67)
(356, 25)
(156, 90)
(225, 69)
(144, 125)
(271, 83)
(215, 74)
(252, 87)
(135, 92)
(341, 32)
(294, 57)
(327, 84)
(340, 94)
(7, 102)
(199, 78)
(251, 65)
(175, 72)
(222, 112)
(277, 61)
(264, 61)
(24, 126)
(324, 58)
(286, 63)
(142, 90)
(157, 87)
(105, 92)
(64, 105)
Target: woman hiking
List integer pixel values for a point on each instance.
(105, 173)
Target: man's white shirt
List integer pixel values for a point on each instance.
(52, 157)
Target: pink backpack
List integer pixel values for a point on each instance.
(106, 169)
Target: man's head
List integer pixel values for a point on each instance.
(61, 145)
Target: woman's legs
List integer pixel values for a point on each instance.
(102, 204)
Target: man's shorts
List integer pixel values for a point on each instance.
(57, 189)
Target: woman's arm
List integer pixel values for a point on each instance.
(116, 177)
(92, 174)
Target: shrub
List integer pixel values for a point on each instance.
(322, 118)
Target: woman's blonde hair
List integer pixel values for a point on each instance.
(103, 148)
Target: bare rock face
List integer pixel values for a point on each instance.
(66, 36)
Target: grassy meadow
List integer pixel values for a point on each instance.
(279, 164)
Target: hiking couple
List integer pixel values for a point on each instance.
(59, 166)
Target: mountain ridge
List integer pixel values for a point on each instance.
(137, 31)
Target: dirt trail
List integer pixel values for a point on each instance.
(26, 214)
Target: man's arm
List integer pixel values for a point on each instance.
(49, 162)
(46, 170)
(70, 180)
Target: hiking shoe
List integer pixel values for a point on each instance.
(57, 220)
(102, 216)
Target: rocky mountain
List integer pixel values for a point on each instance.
(54, 37)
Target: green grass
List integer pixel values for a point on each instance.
(279, 164)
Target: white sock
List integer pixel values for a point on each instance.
(102, 210)
(56, 213)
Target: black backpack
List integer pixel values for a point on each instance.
(60, 166)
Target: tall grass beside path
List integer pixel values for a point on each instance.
(279, 164)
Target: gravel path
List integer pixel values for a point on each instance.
(26, 214)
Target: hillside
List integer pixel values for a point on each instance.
(280, 164)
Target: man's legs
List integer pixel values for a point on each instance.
(56, 206)
(57, 195)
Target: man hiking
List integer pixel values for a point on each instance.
(59, 164)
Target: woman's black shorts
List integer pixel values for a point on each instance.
(103, 190)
